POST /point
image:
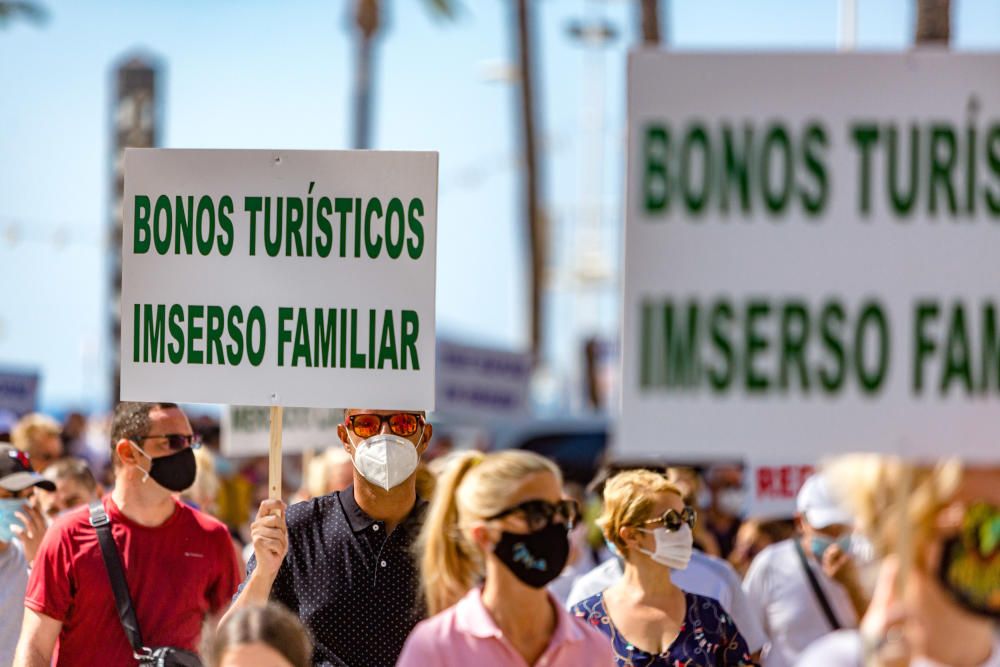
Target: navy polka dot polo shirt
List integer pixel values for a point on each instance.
(356, 589)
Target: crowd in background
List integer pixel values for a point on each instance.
(647, 566)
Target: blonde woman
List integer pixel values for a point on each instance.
(205, 490)
(944, 609)
(495, 535)
(651, 622)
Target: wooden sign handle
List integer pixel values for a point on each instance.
(274, 454)
(904, 540)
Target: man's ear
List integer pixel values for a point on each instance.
(426, 440)
(126, 452)
(345, 440)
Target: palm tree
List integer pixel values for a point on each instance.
(531, 185)
(32, 11)
(649, 22)
(367, 20)
(933, 23)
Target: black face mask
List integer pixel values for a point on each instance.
(535, 558)
(175, 472)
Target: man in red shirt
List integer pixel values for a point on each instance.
(180, 564)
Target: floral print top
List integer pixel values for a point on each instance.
(708, 637)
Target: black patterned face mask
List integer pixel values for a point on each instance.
(970, 562)
(535, 558)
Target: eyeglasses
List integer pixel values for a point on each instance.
(177, 441)
(540, 513)
(672, 520)
(400, 423)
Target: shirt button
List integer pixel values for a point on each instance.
(384, 564)
(375, 527)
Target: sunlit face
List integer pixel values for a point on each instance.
(420, 438)
(69, 493)
(164, 421)
(256, 654)
(641, 536)
(536, 486)
(44, 450)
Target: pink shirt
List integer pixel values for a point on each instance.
(466, 634)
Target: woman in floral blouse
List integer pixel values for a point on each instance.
(651, 622)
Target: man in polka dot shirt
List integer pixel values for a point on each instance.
(344, 562)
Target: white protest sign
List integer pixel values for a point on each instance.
(482, 384)
(811, 255)
(245, 429)
(18, 391)
(290, 278)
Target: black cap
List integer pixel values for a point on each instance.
(16, 473)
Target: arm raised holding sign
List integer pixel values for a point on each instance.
(343, 562)
(269, 533)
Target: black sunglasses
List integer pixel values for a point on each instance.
(540, 513)
(177, 441)
(672, 520)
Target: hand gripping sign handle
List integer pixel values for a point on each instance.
(274, 454)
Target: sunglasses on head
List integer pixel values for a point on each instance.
(400, 423)
(672, 520)
(177, 441)
(540, 513)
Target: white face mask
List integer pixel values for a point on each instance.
(673, 548)
(731, 501)
(386, 460)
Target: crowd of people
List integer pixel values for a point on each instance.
(383, 558)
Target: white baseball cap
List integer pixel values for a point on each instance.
(817, 503)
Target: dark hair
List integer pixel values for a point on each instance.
(74, 469)
(272, 625)
(131, 422)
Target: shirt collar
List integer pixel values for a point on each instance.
(359, 520)
(473, 618)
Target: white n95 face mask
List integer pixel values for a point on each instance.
(673, 548)
(386, 460)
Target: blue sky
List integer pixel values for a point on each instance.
(270, 74)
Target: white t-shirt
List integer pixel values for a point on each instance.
(843, 649)
(595, 581)
(13, 583)
(563, 584)
(705, 575)
(779, 594)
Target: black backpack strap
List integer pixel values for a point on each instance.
(112, 561)
(820, 596)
